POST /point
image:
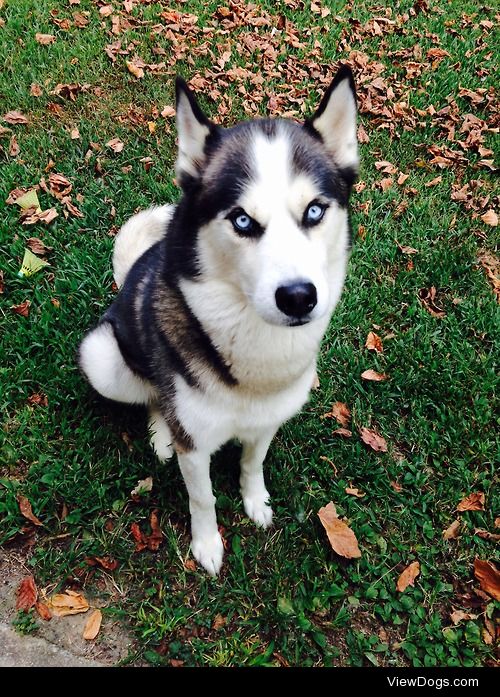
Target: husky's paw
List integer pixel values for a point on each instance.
(208, 551)
(258, 510)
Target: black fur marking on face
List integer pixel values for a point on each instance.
(251, 229)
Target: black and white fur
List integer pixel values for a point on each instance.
(225, 297)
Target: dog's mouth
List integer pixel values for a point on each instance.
(298, 322)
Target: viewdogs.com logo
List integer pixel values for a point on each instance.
(437, 683)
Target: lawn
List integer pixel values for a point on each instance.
(421, 277)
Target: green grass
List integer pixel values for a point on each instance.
(283, 595)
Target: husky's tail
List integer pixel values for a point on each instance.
(136, 236)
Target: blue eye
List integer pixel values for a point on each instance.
(243, 222)
(314, 213)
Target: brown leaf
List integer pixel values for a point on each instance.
(459, 615)
(45, 39)
(115, 144)
(472, 502)
(397, 487)
(488, 577)
(374, 440)
(405, 249)
(486, 534)
(23, 309)
(340, 412)
(341, 537)
(219, 621)
(373, 375)
(15, 117)
(36, 90)
(167, 112)
(107, 563)
(374, 342)
(363, 136)
(27, 594)
(136, 69)
(354, 492)
(38, 399)
(490, 218)
(427, 297)
(31, 216)
(140, 540)
(92, 626)
(14, 148)
(25, 509)
(68, 603)
(408, 576)
(43, 611)
(451, 533)
(38, 247)
(154, 540)
(344, 432)
(434, 182)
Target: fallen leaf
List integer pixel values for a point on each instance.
(23, 309)
(14, 148)
(427, 298)
(374, 342)
(341, 537)
(486, 534)
(344, 432)
(473, 502)
(68, 603)
(136, 70)
(137, 534)
(408, 576)
(373, 375)
(115, 144)
(397, 487)
(404, 249)
(92, 626)
(38, 399)
(43, 611)
(107, 563)
(168, 112)
(451, 533)
(38, 247)
(45, 39)
(26, 200)
(27, 594)
(354, 492)
(154, 540)
(340, 412)
(25, 509)
(490, 218)
(488, 577)
(459, 615)
(15, 117)
(219, 621)
(374, 440)
(32, 217)
(144, 486)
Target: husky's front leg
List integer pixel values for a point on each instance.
(206, 543)
(253, 489)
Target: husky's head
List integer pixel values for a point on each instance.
(267, 201)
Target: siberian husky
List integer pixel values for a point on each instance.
(225, 296)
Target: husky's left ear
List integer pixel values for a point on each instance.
(193, 129)
(335, 120)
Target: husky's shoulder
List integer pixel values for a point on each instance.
(138, 234)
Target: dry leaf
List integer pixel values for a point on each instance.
(344, 432)
(340, 535)
(374, 342)
(136, 70)
(488, 577)
(490, 218)
(168, 112)
(27, 594)
(354, 492)
(459, 615)
(115, 144)
(219, 621)
(427, 297)
(486, 534)
(408, 576)
(45, 39)
(25, 509)
(373, 375)
(68, 603)
(15, 117)
(43, 611)
(340, 412)
(144, 486)
(451, 533)
(38, 247)
(93, 625)
(374, 440)
(473, 502)
(156, 538)
(137, 534)
(404, 249)
(491, 265)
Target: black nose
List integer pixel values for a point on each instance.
(296, 299)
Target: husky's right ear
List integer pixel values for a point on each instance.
(193, 129)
